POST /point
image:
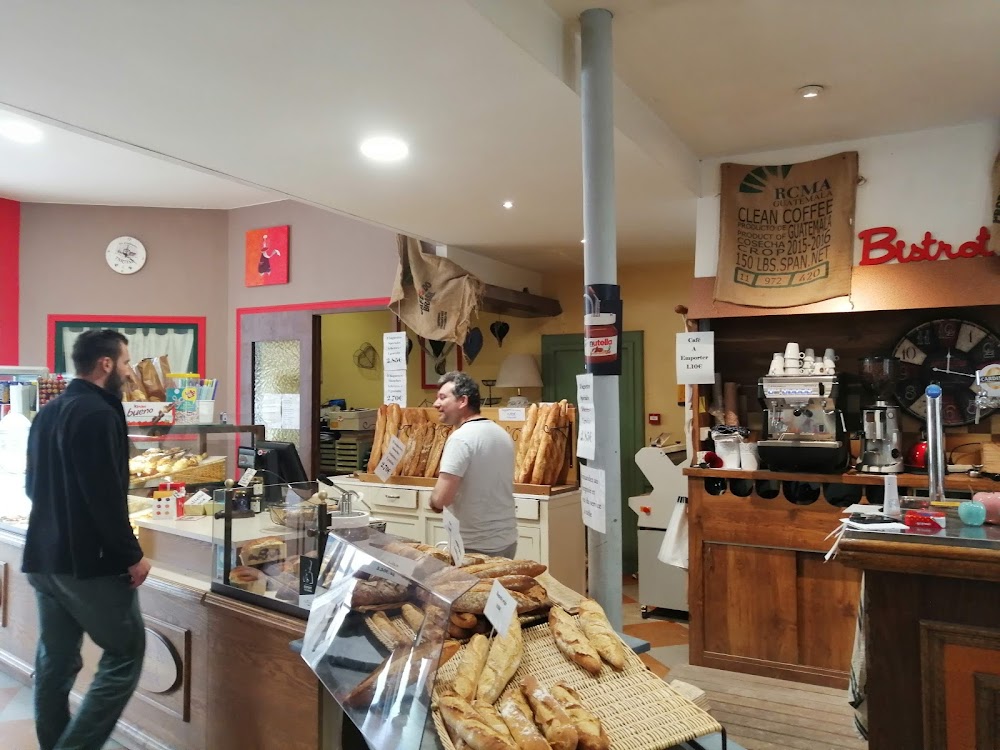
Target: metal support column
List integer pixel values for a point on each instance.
(600, 267)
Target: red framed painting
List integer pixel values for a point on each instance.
(437, 358)
(266, 256)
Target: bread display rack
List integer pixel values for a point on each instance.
(394, 675)
(173, 444)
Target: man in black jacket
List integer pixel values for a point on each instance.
(80, 554)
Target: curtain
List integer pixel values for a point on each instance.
(177, 343)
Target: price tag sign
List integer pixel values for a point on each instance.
(394, 387)
(456, 547)
(586, 428)
(391, 458)
(696, 358)
(511, 414)
(199, 498)
(394, 351)
(592, 498)
(247, 477)
(500, 608)
(381, 570)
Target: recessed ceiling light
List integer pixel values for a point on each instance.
(384, 148)
(508, 204)
(20, 131)
(810, 92)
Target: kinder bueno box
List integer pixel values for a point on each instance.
(167, 505)
(146, 413)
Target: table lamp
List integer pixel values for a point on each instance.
(519, 371)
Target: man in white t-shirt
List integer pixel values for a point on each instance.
(477, 471)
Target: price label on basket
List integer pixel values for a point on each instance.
(456, 547)
(500, 607)
(247, 477)
(391, 459)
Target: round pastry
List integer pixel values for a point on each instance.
(248, 579)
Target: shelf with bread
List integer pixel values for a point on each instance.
(545, 442)
(401, 642)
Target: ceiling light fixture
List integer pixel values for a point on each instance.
(384, 148)
(20, 131)
(508, 205)
(810, 92)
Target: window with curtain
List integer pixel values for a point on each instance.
(178, 342)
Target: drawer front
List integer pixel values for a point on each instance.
(408, 527)
(526, 508)
(529, 544)
(392, 497)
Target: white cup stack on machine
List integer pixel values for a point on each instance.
(795, 362)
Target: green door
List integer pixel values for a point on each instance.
(562, 361)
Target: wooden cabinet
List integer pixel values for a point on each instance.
(762, 599)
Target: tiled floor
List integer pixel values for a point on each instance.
(668, 641)
(17, 727)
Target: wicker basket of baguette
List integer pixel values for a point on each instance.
(187, 468)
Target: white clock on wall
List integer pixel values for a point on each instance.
(125, 255)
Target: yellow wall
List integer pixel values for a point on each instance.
(649, 291)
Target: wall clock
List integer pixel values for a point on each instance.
(946, 351)
(125, 255)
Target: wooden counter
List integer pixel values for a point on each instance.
(218, 674)
(762, 600)
(933, 636)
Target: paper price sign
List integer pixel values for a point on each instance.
(592, 498)
(586, 436)
(500, 608)
(391, 459)
(247, 477)
(394, 351)
(456, 547)
(380, 570)
(696, 358)
(394, 387)
(511, 414)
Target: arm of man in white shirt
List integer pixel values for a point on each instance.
(445, 491)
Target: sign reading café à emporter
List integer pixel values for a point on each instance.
(786, 232)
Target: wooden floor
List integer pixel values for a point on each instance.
(762, 713)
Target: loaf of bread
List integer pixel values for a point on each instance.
(550, 716)
(377, 591)
(264, 550)
(473, 660)
(601, 635)
(413, 617)
(474, 600)
(524, 437)
(572, 642)
(441, 433)
(393, 416)
(376, 454)
(387, 631)
(402, 659)
(468, 725)
(534, 439)
(465, 620)
(492, 718)
(504, 658)
(522, 727)
(505, 568)
(588, 726)
(557, 449)
(248, 579)
(546, 445)
(425, 441)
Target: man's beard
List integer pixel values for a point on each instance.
(114, 383)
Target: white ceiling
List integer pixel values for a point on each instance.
(278, 95)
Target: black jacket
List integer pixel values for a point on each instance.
(77, 479)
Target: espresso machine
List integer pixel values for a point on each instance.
(805, 429)
(881, 432)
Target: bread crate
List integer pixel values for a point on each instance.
(352, 452)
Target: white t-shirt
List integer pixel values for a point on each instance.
(482, 453)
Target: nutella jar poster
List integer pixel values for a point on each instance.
(602, 321)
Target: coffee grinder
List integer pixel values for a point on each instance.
(881, 431)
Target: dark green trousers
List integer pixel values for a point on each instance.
(107, 610)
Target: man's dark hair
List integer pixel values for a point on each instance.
(91, 346)
(463, 385)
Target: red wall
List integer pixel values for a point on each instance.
(10, 236)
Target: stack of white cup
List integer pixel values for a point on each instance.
(795, 362)
(793, 359)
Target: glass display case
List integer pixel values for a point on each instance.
(378, 630)
(22, 389)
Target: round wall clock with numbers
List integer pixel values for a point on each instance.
(946, 351)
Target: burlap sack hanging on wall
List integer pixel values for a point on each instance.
(434, 297)
(995, 195)
(786, 234)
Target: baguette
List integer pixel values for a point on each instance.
(558, 453)
(601, 635)
(469, 670)
(468, 725)
(387, 630)
(399, 660)
(505, 568)
(393, 415)
(572, 642)
(525, 437)
(592, 734)
(424, 452)
(504, 659)
(474, 601)
(544, 458)
(407, 459)
(493, 719)
(522, 727)
(376, 455)
(413, 617)
(531, 452)
(550, 716)
(441, 433)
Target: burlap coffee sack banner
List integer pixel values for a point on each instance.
(995, 196)
(434, 297)
(787, 232)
